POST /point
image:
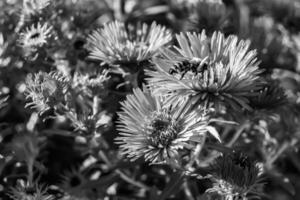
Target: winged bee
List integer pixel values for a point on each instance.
(195, 65)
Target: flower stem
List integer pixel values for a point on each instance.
(96, 102)
(122, 174)
(237, 134)
(173, 185)
(187, 191)
(281, 150)
(30, 171)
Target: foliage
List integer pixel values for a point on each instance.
(160, 99)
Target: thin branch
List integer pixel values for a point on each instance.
(173, 185)
(237, 134)
(124, 176)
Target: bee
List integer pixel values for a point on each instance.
(195, 65)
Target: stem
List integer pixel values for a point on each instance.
(237, 134)
(281, 150)
(218, 147)
(21, 22)
(198, 150)
(226, 132)
(131, 181)
(122, 8)
(173, 185)
(122, 174)
(119, 10)
(109, 9)
(30, 171)
(187, 191)
(96, 102)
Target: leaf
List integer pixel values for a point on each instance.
(214, 132)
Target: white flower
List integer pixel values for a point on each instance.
(117, 43)
(35, 36)
(214, 72)
(156, 132)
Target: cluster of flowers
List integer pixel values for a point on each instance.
(170, 116)
(184, 99)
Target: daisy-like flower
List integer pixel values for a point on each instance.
(216, 71)
(236, 176)
(271, 96)
(46, 90)
(268, 102)
(158, 133)
(24, 191)
(273, 43)
(35, 36)
(91, 84)
(74, 183)
(117, 43)
(207, 14)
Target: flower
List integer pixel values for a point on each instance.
(26, 192)
(207, 14)
(46, 90)
(74, 183)
(88, 123)
(235, 175)
(273, 43)
(117, 43)
(91, 84)
(35, 36)
(31, 7)
(214, 71)
(156, 132)
(271, 96)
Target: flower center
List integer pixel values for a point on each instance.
(49, 87)
(75, 181)
(35, 35)
(30, 190)
(162, 131)
(242, 161)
